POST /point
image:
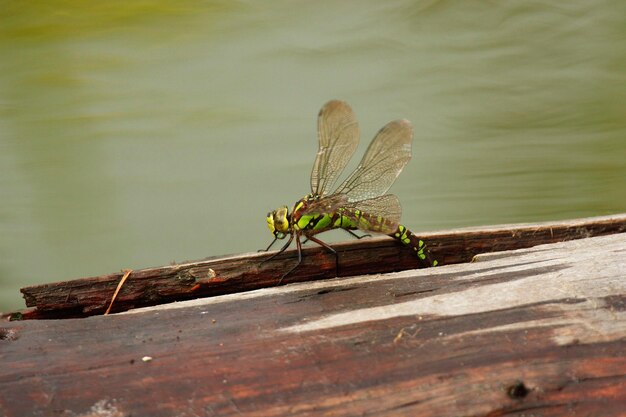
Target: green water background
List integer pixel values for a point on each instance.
(134, 134)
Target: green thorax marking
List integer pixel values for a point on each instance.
(313, 222)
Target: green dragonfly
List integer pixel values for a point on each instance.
(360, 201)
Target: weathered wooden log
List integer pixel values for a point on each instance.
(89, 296)
(538, 331)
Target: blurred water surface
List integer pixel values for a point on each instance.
(133, 134)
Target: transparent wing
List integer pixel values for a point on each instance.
(385, 158)
(338, 134)
(327, 205)
(380, 214)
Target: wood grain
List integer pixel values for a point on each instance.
(539, 331)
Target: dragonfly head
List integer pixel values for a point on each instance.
(278, 222)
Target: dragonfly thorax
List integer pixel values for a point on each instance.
(278, 222)
(281, 222)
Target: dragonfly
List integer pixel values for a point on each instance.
(361, 201)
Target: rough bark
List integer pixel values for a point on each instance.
(539, 331)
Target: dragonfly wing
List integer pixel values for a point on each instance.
(326, 205)
(385, 158)
(379, 214)
(338, 134)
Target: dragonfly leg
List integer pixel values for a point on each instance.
(357, 236)
(280, 251)
(306, 239)
(270, 245)
(299, 246)
(329, 248)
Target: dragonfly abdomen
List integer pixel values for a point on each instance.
(351, 219)
(407, 238)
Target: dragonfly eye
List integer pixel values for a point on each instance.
(278, 222)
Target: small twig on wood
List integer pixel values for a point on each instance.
(117, 290)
